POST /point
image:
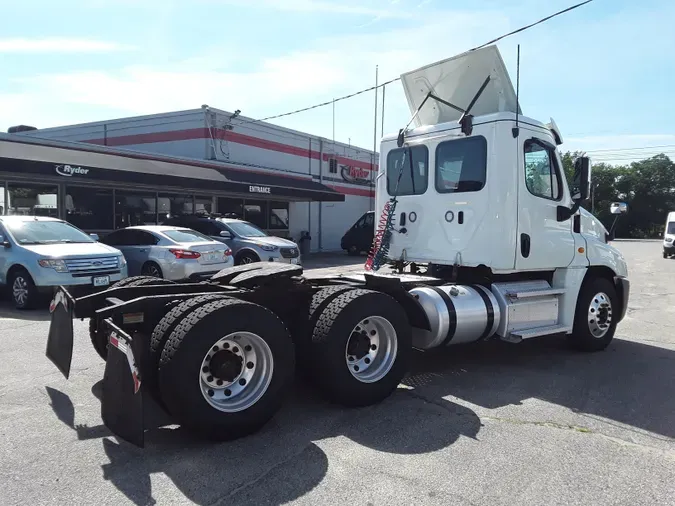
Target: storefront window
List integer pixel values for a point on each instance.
(28, 199)
(89, 208)
(231, 208)
(135, 209)
(203, 205)
(3, 196)
(255, 211)
(169, 206)
(278, 219)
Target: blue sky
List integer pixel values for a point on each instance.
(604, 72)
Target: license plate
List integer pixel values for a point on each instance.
(294, 260)
(213, 256)
(101, 280)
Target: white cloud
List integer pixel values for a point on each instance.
(59, 45)
(322, 6)
(333, 67)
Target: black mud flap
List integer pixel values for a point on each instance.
(60, 338)
(122, 399)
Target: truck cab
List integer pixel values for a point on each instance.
(493, 194)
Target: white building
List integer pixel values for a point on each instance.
(248, 151)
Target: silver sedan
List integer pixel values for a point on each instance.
(175, 253)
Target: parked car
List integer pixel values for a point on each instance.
(40, 253)
(175, 253)
(359, 237)
(248, 242)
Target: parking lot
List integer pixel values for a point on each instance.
(483, 424)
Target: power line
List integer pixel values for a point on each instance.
(329, 102)
(630, 149)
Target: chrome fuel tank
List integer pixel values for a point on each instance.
(457, 314)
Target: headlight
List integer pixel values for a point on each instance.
(267, 247)
(123, 262)
(669, 239)
(57, 265)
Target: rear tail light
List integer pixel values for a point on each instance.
(227, 252)
(184, 254)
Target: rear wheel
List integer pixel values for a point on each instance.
(163, 330)
(226, 369)
(361, 347)
(99, 339)
(594, 321)
(153, 270)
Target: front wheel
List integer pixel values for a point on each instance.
(361, 347)
(594, 320)
(247, 257)
(24, 292)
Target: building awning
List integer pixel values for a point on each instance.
(78, 164)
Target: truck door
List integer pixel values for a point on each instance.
(543, 242)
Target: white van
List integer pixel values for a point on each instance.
(669, 236)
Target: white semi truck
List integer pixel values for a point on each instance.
(478, 237)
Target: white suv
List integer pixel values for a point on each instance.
(39, 253)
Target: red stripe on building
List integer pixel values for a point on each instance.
(237, 138)
(346, 190)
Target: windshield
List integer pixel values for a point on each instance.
(46, 232)
(186, 235)
(246, 229)
(671, 228)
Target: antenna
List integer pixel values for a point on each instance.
(516, 130)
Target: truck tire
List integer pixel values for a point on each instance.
(302, 333)
(99, 340)
(162, 332)
(594, 325)
(361, 347)
(226, 369)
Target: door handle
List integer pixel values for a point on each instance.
(142, 250)
(403, 219)
(525, 245)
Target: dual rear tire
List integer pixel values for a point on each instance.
(222, 367)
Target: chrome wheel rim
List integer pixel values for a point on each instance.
(600, 315)
(153, 271)
(246, 260)
(236, 372)
(20, 290)
(371, 349)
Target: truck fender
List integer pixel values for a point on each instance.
(393, 287)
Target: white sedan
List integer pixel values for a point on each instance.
(175, 253)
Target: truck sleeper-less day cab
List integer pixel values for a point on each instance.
(481, 237)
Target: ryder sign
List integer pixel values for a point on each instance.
(70, 170)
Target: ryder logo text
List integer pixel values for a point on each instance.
(69, 170)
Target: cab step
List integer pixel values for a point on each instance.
(519, 335)
(527, 294)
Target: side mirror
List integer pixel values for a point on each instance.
(618, 208)
(582, 179)
(225, 234)
(95, 237)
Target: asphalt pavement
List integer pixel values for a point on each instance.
(489, 424)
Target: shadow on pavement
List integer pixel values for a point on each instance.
(39, 314)
(630, 382)
(281, 462)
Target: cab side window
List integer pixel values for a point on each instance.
(542, 175)
(407, 171)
